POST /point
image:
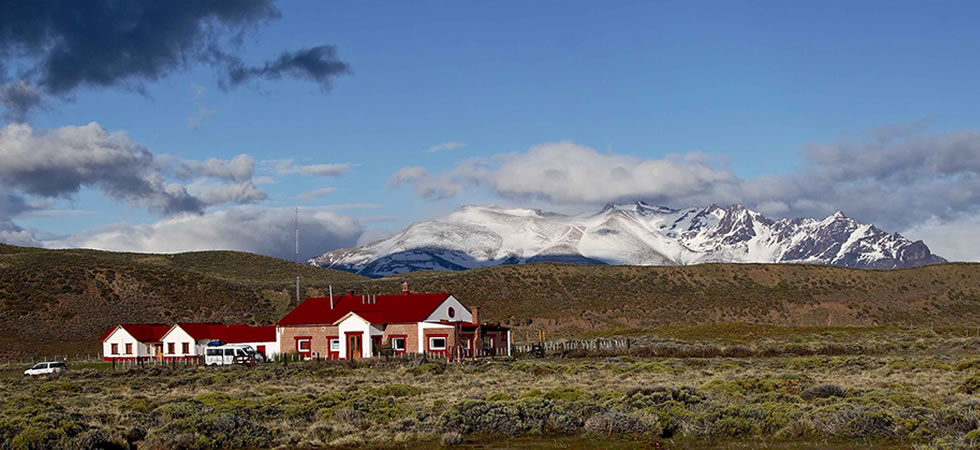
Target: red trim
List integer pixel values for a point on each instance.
(330, 353)
(309, 350)
(436, 352)
(404, 344)
(347, 335)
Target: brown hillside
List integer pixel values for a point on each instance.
(61, 300)
(571, 299)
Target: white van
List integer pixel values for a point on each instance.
(219, 353)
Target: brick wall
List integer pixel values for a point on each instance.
(318, 343)
(411, 332)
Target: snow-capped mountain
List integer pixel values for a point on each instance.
(635, 234)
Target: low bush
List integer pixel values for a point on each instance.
(823, 391)
(451, 438)
(612, 422)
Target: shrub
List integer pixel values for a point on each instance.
(612, 422)
(823, 391)
(428, 369)
(451, 438)
(397, 390)
(971, 385)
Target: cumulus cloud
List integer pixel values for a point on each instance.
(246, 228)
(317, 193)
(318, 64)
(239, 168)
(427, 186)
(895, 178)
(10, 233)
(59, 163)
(955, 240)
(59, 47)
(288, 167)
(444, 147)
(17, 99)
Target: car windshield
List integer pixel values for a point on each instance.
(250, 350)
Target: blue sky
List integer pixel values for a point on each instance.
(741, 85)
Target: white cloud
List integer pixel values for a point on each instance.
(444, 147)
(317, 193)
(955, 240)
(287, 167)
(239, 168)
(245, 228)
(426, 186)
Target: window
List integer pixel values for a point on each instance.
(469, 343)
(229, 352)
(115, 349)
(214, 352)
(334, 344)
(185, 348)
(398, 343)
(129, 349)
(452, 312)
(170, 348)
(437, 343)
(303, 345)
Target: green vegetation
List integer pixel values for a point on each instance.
(60, 301)
(925, 395)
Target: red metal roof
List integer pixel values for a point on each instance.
(406, 308)
(205, 330)
(143, 332)
(244, 333)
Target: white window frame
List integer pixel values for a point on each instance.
(445, 342)
(395, 347)
(334, 344)
(299, 345)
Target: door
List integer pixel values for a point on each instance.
(158, 352)
(354, 346)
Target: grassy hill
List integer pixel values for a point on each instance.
(61, 300)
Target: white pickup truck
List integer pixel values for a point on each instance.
(46, 368)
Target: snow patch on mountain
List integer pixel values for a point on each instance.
(634, 234)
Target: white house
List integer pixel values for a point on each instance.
(189, 340)
(133, 342)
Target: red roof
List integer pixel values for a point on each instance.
(229, 333)
(204, 330)
(143, 332)
(244, 333)
(403, 308)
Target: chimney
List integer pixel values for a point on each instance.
(404, 288)
(476, 315)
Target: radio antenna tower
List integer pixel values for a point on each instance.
(297, 255)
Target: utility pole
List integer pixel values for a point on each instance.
(297, 256)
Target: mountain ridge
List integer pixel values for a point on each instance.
(627, 234)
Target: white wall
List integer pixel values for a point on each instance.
(424, 343)
(121, 337)
(271, 348)
(178, 337)
(442, 312)
(355, 323)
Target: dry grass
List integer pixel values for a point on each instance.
(923, 395)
